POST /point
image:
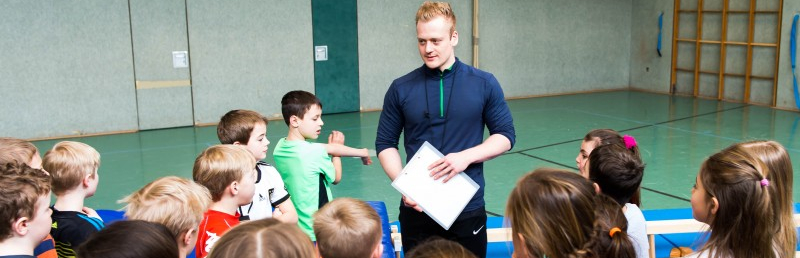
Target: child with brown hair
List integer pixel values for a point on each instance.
(174, 202)
(732, 195)
(617, 172)
(553, 213)
(310, 168)
(249, 128)
(130, 239)
(24, 213)
(780, 176)
(228, 171)
(73, 167)
(348, 228)
(13, 150)
(264, 238)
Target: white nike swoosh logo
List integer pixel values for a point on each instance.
(479, 230)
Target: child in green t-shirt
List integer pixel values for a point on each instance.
(309, 168)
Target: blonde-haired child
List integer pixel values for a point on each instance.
(174, 202)
(73, 167)
(348, 228)
(228, 171)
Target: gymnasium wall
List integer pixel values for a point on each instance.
(102, 66)
(648, 71)
(66, 68)
(553, 47)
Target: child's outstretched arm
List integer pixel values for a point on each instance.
(336, 138)
(286, 212)
(338, 149)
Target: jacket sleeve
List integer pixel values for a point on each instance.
(391, 121)
(496, 114)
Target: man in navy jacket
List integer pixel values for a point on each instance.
(447, 103)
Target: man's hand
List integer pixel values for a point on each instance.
(411, 204)
(449, 166)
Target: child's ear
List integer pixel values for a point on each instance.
(378, 251)
(87, 179)
(234, 188)
(188, 237)
(597, 188)
(237, 143)
(294, 121)
(714, 205)
(20, 226)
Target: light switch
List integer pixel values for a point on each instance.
(320, 53)
(180, 59)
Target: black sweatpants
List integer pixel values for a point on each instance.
(469, 229)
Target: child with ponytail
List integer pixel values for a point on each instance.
(555, 214)
(732, 195)
(779, 174)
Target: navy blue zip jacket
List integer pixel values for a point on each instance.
(473, 100)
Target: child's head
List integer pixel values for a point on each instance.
(130, 239)
(245, 127)
(174, 202)
(616, 170)
(14, 150)
(348, 227)
(226, 169)
(732, 196)
(24, 202)
(302, 111)
(611, 230)
(779, 175)
(440, 248)
(73, 165)
(551, 213)
(599, 137)
(264, 238)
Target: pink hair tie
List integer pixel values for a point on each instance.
(764, 182)
(630, 142)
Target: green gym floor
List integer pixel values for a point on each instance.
(675, 134)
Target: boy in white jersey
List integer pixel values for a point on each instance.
(249, 128)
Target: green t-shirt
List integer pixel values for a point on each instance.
(301, 163)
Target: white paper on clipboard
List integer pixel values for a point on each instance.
(443, 202)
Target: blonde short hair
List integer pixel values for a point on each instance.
(174, 202)
(220, 165)
(264, 238)
(68, 163)
(346, 227)
(430, 10)
(14, 150)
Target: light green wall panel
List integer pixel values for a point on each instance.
(164, 107)
(66, 68)
(387, 43)
(247, 54)
(648, 70)
(158, 28)
(553, 47)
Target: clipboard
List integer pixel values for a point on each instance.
(443, 202)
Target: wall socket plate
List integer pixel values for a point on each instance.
(320, 53)
(180, 59)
